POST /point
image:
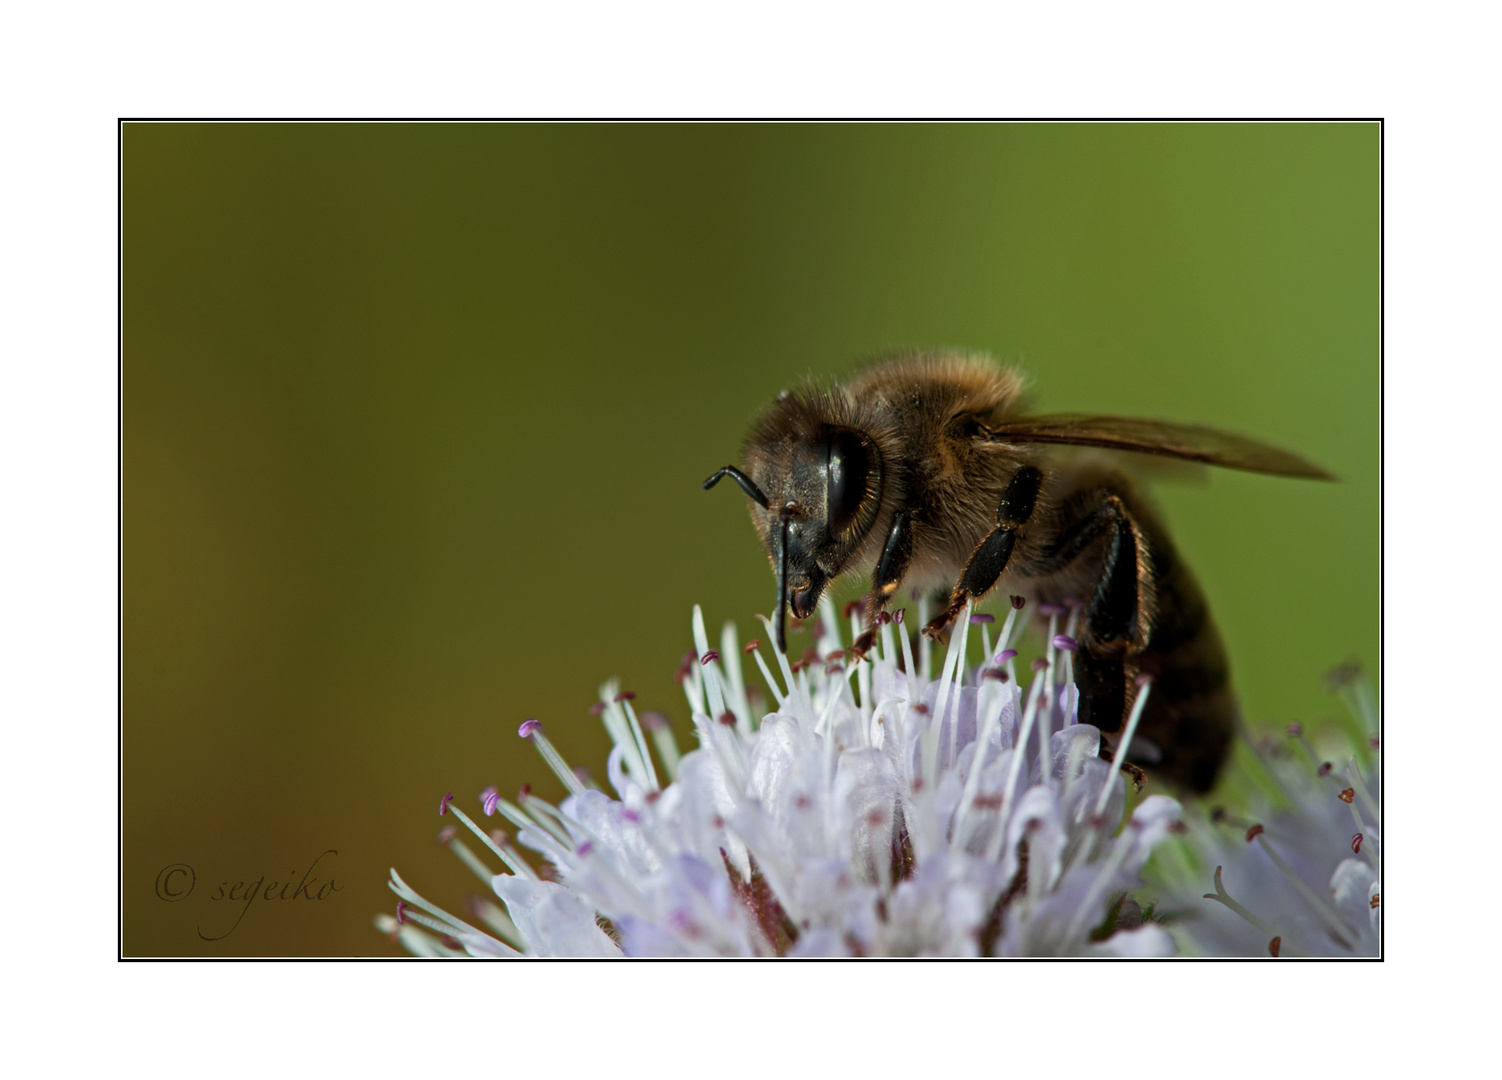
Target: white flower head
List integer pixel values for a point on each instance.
(876, 810)
(1298, 870)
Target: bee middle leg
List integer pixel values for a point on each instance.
(992, 554)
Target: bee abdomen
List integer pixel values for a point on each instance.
(1191, 713)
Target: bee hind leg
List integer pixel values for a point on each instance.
(1144, 614)
(1105, 660)
(991, 555)
(1111, 624)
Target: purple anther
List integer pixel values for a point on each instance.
(528, 727)
(994, 673)
(1072, 602)
(882, 618)
(584, 848)
(1324, 770)
(898, 614)
(1018, 602)
(597, 709)
(708, 656)
(1356, 844)
(626, 695)
(524, 793)
(1295, 729)
(921, 709)
(979, 619)
(1374, 742)
(445, 835)
(1052, 609)
(488, 800)
(401, 911)
(631, 816)
(1144, 679)
(1217, 814)
(1254, 832)
(727, 718)
(443, 803)
(852, 607)
(1348, 795)
(1039, 664)
(1005, 655)
(652, 720)
(688, 658)
(834, 669)
(501, 837)
(1274, 946)
(1065, 642)
(752, 646)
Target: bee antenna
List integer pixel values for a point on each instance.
(747, 484)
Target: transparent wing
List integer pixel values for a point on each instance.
(1190, 442)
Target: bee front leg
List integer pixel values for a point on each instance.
(992, 554)
(891, 568)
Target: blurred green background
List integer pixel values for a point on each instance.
(415, 418)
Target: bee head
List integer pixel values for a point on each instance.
(815, 489)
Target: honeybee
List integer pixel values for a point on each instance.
(923, 468)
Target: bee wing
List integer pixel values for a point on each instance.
(1190, 442)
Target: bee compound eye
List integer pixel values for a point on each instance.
(849, 468)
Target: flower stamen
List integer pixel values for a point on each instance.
(532, 729)
(1331, 918)
(1145, 686)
